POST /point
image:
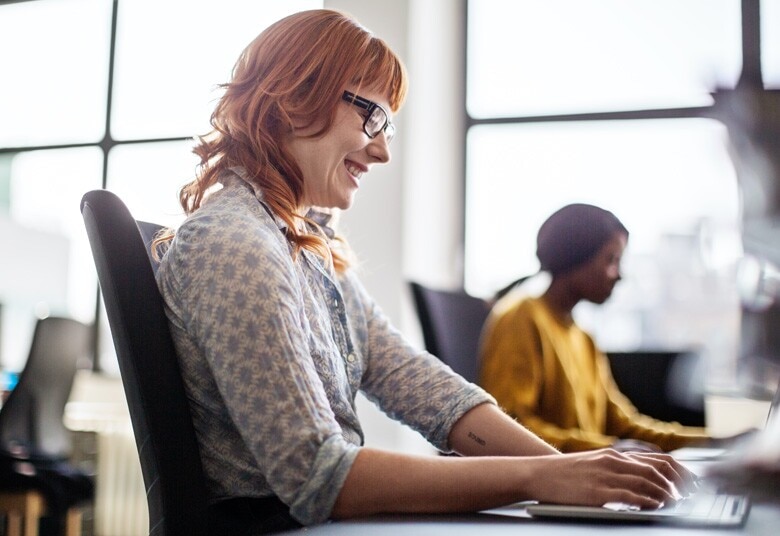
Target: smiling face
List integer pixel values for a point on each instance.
(334, 164)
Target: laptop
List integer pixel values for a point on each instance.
(711, 505)
(707, 507)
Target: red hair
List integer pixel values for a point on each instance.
(293, 73)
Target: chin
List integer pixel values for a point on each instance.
(600, 300)
(347, 203)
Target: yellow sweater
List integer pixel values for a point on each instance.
(554, 380)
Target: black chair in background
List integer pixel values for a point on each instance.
(666, 385)
(159, 411)
(451, 323)
(37, 484)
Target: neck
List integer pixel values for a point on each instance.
(560, 299)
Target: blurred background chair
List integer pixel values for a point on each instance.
(451, 323)
(39, 489)
(159, 410)
(664, 384)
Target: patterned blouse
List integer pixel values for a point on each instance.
(273, 352)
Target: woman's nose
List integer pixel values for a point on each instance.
(379, 149)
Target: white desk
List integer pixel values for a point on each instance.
(764, 520)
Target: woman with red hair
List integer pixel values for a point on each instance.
(276, 335)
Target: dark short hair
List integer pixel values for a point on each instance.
(573, 234)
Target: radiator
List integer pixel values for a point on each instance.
(97, 407)
(120, 497)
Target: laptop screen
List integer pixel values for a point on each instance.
(773, 407)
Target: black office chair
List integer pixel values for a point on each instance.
(34, 443)
(665, 384)
(451, 323)
(159, 411)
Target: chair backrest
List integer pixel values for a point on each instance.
(159, 410)
(665, 384)
(451, 323)
(148, 231)
(31, 418)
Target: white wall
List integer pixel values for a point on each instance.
(33, 282)
(433, 170)
(405, 220)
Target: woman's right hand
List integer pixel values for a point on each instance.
(598, 477)
(635, 445)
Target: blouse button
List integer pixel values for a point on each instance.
(351, 358)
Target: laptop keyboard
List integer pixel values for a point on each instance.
(705, 505)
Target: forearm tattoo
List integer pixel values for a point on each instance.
(477, 439)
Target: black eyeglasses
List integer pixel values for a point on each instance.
(376, 121)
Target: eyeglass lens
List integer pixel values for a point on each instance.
(378, 121)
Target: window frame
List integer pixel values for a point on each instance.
(750, 78)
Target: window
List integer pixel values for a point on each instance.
(770, 43)
(73, 124)
(531, 57)
(610, 102)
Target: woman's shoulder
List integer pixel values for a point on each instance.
(510, 312)
(232, 212)
(231, 223)
(514, 305)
